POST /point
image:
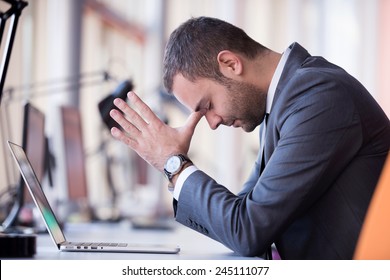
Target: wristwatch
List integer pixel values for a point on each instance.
(174, 165)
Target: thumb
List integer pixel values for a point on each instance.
(193, 120)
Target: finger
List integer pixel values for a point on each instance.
(144, 109)
(194, 119)
(119, 135)
(131, 114)
(127, 126)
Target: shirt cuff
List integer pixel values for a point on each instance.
(181, 179)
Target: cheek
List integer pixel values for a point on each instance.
(231, 109)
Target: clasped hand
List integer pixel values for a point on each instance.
(147, 135)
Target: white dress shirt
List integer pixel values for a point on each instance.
(270, 97)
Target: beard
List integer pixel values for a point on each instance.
(247, 103)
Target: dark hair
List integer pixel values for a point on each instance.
(192, 49)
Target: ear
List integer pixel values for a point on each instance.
(230, 64)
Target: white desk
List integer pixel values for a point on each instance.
(193, 245)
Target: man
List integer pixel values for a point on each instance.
(321, 151)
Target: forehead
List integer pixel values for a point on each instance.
(190, 94)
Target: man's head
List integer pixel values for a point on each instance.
(192, 49)
(211, 64)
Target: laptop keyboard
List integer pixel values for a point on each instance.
(97, 244)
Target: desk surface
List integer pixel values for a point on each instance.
(192, 244)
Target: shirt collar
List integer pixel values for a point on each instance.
(275, 80)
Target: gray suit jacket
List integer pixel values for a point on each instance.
(326, 142)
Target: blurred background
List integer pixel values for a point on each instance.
(71, 55)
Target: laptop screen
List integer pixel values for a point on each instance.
(36, 192)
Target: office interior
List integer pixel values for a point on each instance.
(70, 55)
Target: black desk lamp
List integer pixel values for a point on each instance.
(14, 245)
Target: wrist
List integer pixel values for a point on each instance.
(174, 165)
(173, 181)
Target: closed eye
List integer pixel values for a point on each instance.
(201, 106)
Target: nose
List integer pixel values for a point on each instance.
(213, 120)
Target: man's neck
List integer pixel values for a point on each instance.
(259, 71)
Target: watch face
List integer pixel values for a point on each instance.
(173, 164)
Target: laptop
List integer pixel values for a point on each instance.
(53, 226)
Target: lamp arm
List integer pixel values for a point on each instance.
(14, 13)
